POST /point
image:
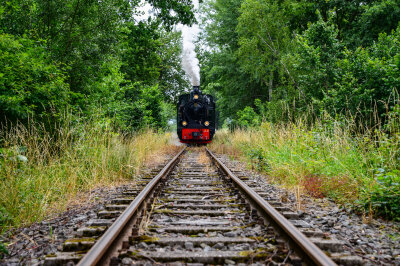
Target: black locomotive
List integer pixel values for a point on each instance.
(196, 117)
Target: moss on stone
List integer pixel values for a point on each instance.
(79, 240)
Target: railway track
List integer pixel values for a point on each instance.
(197, 211)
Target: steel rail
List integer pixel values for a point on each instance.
(301, 244)
(101, 248)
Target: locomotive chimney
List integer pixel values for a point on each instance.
(195, 93)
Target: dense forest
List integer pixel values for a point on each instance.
(79, 78)
(316, 85)
(283, 59)
(280, 59)
(90, 58)
(85, 88)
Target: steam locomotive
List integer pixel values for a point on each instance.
(196, 117)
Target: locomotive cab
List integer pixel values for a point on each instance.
(196, 121)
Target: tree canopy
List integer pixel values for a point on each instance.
(91, 57)
(301, 57)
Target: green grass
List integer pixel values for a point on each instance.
(42, 173)
(325, 160)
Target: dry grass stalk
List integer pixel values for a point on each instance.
(145, 222)
(298, 193)
(61, 168)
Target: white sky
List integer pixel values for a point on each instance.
(190, 62)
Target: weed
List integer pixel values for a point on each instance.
(43, 172)
(3, 250)
(327, 158)
(259, 160)
(313, 185)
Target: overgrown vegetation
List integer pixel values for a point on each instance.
(311, 88)
(85, 57)
(114, 73)
(42, 172)
(326, 159)
(324, 77)
(336, 57)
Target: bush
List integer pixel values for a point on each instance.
(32, 86)
(327, 158)
(258, 158)
(384, 199)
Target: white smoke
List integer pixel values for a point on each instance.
(190, 63)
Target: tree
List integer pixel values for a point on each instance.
(263, 38)
(221, 72)
(31, 85)
(172, 78)
(98, 50)
(380, 17)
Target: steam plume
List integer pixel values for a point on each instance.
(190, 63)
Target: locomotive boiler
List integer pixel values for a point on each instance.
(196, 120)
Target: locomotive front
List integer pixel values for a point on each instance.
(196, 117)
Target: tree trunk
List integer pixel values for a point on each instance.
(270, 89)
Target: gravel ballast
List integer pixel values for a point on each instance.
(377, 241)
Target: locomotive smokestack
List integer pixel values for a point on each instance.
(196, 89)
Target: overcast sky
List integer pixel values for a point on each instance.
(190, 63)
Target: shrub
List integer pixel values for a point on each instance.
(384, 197)
(327, 158)
(34, 86)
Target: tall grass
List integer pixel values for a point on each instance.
(326, 159)
(42, 172)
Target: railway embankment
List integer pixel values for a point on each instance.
(374, 239)
(174, 215)
(324, 160)
(43, 175)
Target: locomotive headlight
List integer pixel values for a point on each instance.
(195, 96)
(206, 123)
(184, 123)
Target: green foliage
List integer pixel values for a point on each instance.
(326, 159)
(317, 52)
(172, 79)
(263, 38)
(140, 60)
(384, 197)
(3, 249)
(221, 72)
(257, 157)
(302, 57)
(354, 80)
(31, 85)
(377, 18)
(85, 56)
(169, 115)
(148, 110)
(247, 117)
(172, 12)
